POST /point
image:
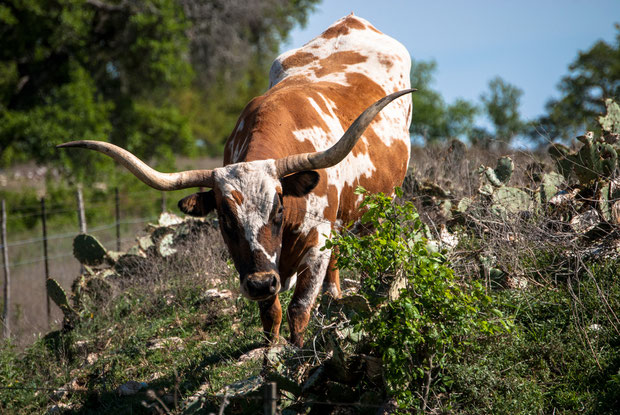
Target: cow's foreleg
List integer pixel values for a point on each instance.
(271, 317)
(310, 278)
(331, 284)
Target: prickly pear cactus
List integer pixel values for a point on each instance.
(510, 200)
(497, 177)
(88, 250)
(595, 160)
(59, 296)
(501, 174)
(610, 123)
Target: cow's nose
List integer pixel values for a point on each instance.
(262, 284)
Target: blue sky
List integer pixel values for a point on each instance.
(528, 43)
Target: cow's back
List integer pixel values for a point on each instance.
(342, 72)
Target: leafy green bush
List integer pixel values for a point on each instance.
(434, 315)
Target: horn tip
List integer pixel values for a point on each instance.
(63, 145)
(82, 143)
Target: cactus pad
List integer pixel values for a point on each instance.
(503, 171)
(610, 123)
(511, 200)
(595, 160)
(59, 296)
(88, 250)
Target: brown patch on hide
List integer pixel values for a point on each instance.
(237, 197)
(338, 62)
(298, 59)
(343, 28)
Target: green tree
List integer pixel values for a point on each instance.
(117, 70)
(89, 69)
(501, 106)
(433, 119)
(233, 43)
(593, 76)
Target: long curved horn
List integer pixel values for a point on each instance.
(153, 178)
(336, 153)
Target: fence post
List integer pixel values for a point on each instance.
(47, 268)
(80, 212)
(118, 219)
(270, 398)
(6, 318)
(81, 216)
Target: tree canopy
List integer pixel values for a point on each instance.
(120, 70)
(433, 119)
(501, 106)
(593, 77)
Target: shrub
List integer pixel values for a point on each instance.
(435, 315)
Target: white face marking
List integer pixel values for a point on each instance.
(257, 182)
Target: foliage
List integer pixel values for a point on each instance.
(433, 119)
(501, 106)
(593, 77)
(562, 355)
(434, 317)
(229, 37)
(91, 69)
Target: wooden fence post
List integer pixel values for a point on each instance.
(81, 216)
(6, 317)
(47, 267)
(270, 402)
(118, 219)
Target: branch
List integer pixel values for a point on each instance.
(106, 6)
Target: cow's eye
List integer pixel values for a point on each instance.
(280, 205)
(226, 218)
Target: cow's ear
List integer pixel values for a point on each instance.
(198, 204)
(299, 184)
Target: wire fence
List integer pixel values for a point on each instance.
(25, 255)
(49, 253)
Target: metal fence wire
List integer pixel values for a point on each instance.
(21, 253)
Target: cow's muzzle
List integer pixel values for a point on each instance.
(261, 285)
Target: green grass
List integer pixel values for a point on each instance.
(121, 335)
(563, 356)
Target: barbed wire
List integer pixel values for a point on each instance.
(73, 234)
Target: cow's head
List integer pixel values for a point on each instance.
(248, 197)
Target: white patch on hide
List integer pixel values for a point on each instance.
(290, 283)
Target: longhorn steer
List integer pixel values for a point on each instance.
(290, 169)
